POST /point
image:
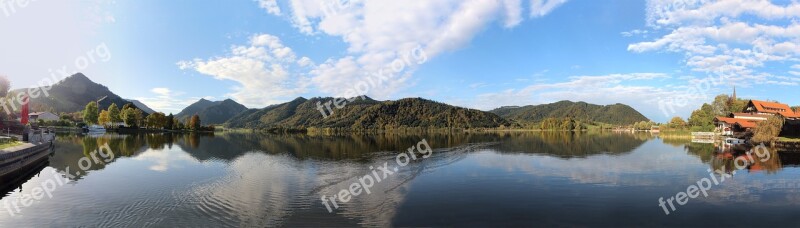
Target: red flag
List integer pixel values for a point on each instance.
(25, 102)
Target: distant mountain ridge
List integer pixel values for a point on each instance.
(212, 112)
(73, 93)
(366, 114)
(618, 114)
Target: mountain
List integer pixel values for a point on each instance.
(212, 112)
(618, 114)
(142, 106)
(73, 93)
(364, 114)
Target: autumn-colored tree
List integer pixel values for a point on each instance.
(195, 123)
(104, 118)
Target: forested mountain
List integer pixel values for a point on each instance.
(72, 94)
(617, 114)
(362, 114)
(194, 108)
(212, 112)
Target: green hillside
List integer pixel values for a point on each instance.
(212, 112)
(366, 114)
(617, 114)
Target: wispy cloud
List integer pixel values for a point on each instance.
(736, 38)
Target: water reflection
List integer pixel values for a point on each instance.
(251, 179)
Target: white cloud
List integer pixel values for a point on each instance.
(379, 32)
(514, 11)
(271, 6)
(167, 101)
(539, 8)
(161, 91)
(266, 70)
(735, 38)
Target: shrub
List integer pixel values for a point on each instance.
(767, 131)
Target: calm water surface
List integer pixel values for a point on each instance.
(498, 179)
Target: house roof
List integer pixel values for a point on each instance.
(766, 107)
(741, 122)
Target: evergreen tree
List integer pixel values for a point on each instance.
(170, 122)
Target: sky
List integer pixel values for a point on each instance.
(663, 58)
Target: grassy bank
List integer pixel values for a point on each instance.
(9, 144)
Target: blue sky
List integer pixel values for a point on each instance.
(478, 53)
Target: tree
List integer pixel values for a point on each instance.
(131, 116)
(90, 113)
(139, 116)
(179, 125)
(127, 117)
(114, 113)
(104, 118)
(170, 122)
(194, 123)
(5, 85)
(156, 120)
(677, 122)
(767, 131)
(567, 124)
(720, 106)
(738, 105)
(702, 119)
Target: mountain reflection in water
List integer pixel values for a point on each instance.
(493, 178)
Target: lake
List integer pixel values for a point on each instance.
(464, 179)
